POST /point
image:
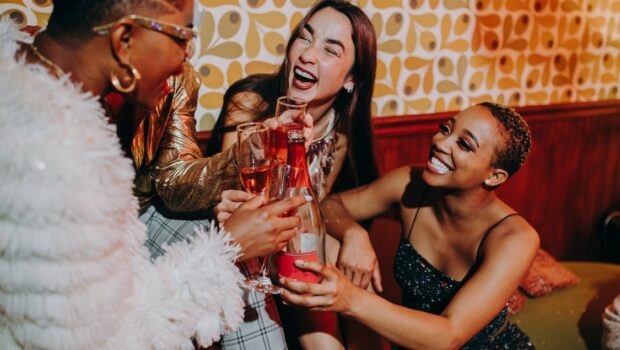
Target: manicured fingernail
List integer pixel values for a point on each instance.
(308, 198)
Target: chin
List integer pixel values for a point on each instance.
(304, 95)
(433, 179)
(427, 177)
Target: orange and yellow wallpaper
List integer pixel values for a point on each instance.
(434, 55)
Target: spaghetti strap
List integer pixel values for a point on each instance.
(478, 261)
(416, 212)
(491, 229)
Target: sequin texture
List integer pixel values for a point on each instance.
(426, 288)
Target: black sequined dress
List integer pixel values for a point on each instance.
(428, 289)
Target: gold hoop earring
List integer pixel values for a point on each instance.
(130, 82)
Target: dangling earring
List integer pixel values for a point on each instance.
(129, 82)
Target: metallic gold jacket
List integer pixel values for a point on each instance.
(169, 164)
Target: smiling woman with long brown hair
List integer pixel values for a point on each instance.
(330, 63)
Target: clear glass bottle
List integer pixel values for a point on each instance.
(309, 241)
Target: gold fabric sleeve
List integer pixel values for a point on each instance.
(168, 161)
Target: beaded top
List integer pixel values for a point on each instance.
(320, 157)
(428, 289)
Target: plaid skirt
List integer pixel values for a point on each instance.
(262, 328)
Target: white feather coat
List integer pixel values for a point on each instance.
(73, 270)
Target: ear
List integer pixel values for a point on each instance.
(497, 177)
(121, 39)
(348, 84)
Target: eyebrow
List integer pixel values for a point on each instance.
(473, 137)
(453, 120)
(309, 28)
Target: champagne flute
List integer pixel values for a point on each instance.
(254, 160)
(289, 111)
(254, 157)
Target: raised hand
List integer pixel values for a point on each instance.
(262, 230)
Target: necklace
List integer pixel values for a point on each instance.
(46, 60)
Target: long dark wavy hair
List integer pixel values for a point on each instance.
(353, 117)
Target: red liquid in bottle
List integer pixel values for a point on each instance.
(255, 180)
(279, 142)
(306, 245)
(287, 268)
(279, 145)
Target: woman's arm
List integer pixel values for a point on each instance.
(183, 178)
(356, 257)
(344, 210)
(507, 254)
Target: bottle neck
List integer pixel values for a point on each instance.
(297, 160)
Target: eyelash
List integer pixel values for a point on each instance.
(463, 144)
(445, 129)
(328, 50)
(331, 51)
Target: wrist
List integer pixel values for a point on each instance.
(355, 302)
(354, 233)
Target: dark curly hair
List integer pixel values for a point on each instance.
(512, 153)
(76, 18)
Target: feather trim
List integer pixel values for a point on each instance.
(73, 270)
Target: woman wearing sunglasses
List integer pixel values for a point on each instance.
(74, 273)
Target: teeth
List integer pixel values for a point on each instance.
(303, 74)
(439, 165)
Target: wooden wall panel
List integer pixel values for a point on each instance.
(571, 179)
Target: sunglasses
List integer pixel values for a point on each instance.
(183, 33)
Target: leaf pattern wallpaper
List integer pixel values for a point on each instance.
(433, 55)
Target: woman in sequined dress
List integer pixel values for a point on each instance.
(463, 252)
(330, 61)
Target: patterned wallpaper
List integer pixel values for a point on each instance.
(434, 55)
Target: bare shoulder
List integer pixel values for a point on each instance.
(513, 233)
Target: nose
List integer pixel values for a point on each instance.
(309, 55)
(441, 143)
